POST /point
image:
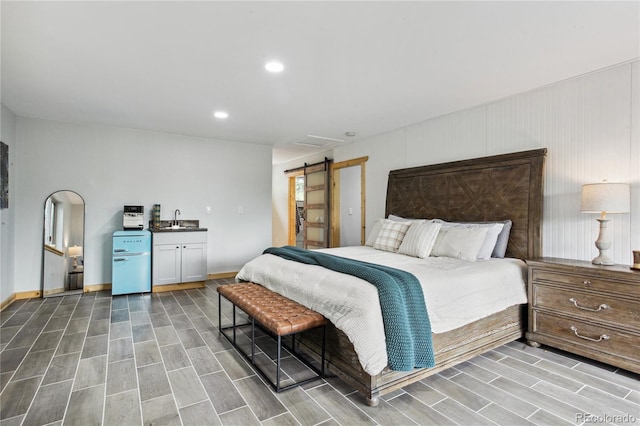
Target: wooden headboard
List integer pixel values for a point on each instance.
(498, 187)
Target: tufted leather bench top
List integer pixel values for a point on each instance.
(278, 314)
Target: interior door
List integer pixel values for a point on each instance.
(316, 204)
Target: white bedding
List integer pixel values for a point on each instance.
(456, 291)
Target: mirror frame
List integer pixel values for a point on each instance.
(44, 244)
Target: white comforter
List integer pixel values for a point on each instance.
(457, 292)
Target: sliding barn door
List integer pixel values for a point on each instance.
(316, 204)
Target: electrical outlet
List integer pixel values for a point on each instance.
(208, 209)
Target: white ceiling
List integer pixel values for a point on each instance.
(364, 67)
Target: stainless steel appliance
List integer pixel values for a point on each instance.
(133, 217)
(131, 262)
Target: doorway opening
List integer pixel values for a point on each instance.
(299, 214)
(309, 214)
(345, 204)
(295, 216)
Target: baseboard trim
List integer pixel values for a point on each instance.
(9, 300)
(28, 294)
(222, 275)
(53, 291)
(99, 287)
(19, 296)
(174, 287)
(96, 287)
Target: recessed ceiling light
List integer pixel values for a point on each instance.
(274, 66)
(220, 114)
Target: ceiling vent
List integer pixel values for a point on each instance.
(318, 141)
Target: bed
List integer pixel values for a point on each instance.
(495, 188)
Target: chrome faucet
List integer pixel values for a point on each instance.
(175, 217)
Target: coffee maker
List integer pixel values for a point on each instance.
(133, 217)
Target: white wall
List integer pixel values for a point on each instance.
(589, 124)
(280, 195)
(7, 221)
(110, 167)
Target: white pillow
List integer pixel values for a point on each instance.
(489, 244)
(398, 218)
(493, 230)
(419, 239)
(375, 230)
(460, 242)
(404, 219)
(391, 235)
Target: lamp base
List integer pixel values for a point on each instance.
(603, 260)
(603, 244)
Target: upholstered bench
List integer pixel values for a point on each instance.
(275, 313)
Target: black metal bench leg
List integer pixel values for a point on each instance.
(234, 323)
(278, 364)
(324, 337)
(253, 340)
(220, 312)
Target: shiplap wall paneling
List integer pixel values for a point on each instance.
(635, 156)
(584, 123)
(448, 138)
(589, 124)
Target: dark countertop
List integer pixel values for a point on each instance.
(178, 230)
(186, 225)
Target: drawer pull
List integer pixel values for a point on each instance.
(599, 308)
(602, 337)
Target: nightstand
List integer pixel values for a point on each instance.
(76, 280)
(586, 309)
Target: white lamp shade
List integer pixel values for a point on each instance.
(75, 251)
(605, 197)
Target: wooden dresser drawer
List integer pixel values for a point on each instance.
(591, 310)
(586, 282)
(572, 332)
(589, 306)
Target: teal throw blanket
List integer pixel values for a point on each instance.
(404, 313)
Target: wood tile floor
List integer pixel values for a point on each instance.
(158, 359)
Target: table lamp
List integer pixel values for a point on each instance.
(603, 198)
(75, 252)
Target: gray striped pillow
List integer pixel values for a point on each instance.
(419, 239)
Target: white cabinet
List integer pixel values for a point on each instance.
(167, 264)
(194, 262)
(179, 257)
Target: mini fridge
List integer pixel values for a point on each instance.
(131, 262)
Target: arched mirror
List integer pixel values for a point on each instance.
(63, 244)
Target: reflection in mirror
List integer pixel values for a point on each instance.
(63, 238)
